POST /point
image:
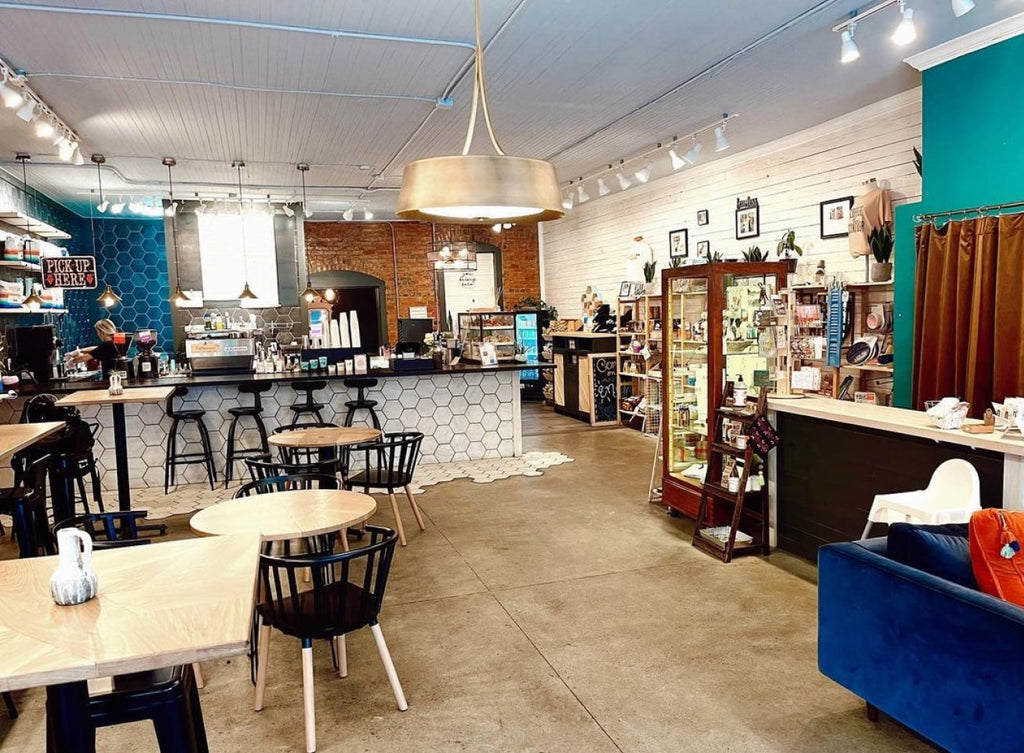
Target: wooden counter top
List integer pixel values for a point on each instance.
(896, 420)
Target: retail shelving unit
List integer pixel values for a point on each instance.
(638, 351)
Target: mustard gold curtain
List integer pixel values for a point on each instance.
(969, 312)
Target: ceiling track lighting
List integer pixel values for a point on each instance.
(348, 214)
(644, 173)
(28, 110)
(905, 32)
(848, 51)
(9, 95)
(29, 106)
(246, 294)
(721, 142)
(960, 7)
(480, 188)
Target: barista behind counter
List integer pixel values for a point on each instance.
(106, 352)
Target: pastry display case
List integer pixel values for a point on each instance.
(714, 318)
(495, 327)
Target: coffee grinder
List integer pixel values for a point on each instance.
(149, 362)
(122, 341)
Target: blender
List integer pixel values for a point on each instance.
(149, 362)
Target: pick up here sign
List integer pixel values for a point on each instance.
(69, 272)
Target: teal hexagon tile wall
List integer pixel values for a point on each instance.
(131, 256)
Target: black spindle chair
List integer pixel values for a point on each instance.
(346, 595)
(108, 530)
(389, 464)
(26, 504)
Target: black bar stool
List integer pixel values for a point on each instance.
(255, 412)
(175, 458)
(361, 403)
(309, 386)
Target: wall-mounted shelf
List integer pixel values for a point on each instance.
(22, 222)
(37, 312)
(26, 266)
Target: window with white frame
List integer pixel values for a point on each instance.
(226, 269)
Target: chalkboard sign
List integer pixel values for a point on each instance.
(69, 272)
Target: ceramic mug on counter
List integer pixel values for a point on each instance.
(740, 440)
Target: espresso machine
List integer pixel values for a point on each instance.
(148, 362)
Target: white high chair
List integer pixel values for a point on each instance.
(952, 496)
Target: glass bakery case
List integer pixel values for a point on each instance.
(495, 327)
(714, 329)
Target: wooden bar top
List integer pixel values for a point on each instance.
(158, 605)
(896, 420)
(130, 395)
(15, 437)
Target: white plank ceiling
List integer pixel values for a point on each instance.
(209, 81)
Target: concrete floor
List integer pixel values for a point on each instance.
(553, 614)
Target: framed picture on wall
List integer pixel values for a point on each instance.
(679, 243)
(703, 249)
(748, 218)
(702, 216)
(625, 289)
(835, 217)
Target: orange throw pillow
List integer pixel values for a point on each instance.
(996, 538)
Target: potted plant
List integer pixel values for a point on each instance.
(520, 355)
(547, 312)
(787, 249)
(754, 253)
(675, 262)
(881, 242)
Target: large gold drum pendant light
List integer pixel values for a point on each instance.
(480, 188)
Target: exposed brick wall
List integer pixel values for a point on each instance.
(366, 247)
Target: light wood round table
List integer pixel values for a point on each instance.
(323, 437)
(280, 516)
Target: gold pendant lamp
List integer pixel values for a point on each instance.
(246, 294)
(178, 297)
(472, 188)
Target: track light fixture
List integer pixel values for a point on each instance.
(848, 48)
(694, 153)
(644, 173)
(348, 214)
(678, 163)
(905, 32)
(721, 142)
(288, 211)
(118, 206)
(10, 96)
(581, 193)
(960, 7)
(567, 198)
(44, 128)
(28, 110)
(367, 214)
(602, 187)
(620, 176)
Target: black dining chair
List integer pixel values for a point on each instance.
(285, 483)
(167, 697)
(260, 468)
(346, 594)
(25, 503)
(389, 464)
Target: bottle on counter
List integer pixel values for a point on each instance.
(739, 392)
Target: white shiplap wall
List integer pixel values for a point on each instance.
(789, 177)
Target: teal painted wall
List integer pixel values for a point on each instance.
(973, 123)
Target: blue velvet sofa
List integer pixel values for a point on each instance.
(940, 657)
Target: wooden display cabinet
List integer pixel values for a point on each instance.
(710, 332)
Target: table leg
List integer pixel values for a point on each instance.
(124, 492)
(68, 723)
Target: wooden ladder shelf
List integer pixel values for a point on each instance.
(741, 512)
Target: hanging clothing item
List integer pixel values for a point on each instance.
(870, 211)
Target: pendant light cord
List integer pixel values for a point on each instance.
(479, 92)
(241, 217)
(24, 188)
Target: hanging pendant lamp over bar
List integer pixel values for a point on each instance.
(108, 298)
(480, 188)
(178, 297)
(246, 294)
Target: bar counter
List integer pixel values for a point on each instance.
(835, 456)
(466, 412)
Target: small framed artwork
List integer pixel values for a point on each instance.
(639, 289)
(625, 289)
(679, 243)
(704, 249)
(748, 218)
(835, 217)
(702, 216)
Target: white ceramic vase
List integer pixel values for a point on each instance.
(74, 581)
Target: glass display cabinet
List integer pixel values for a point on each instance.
(495, 327)
(714, 329)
